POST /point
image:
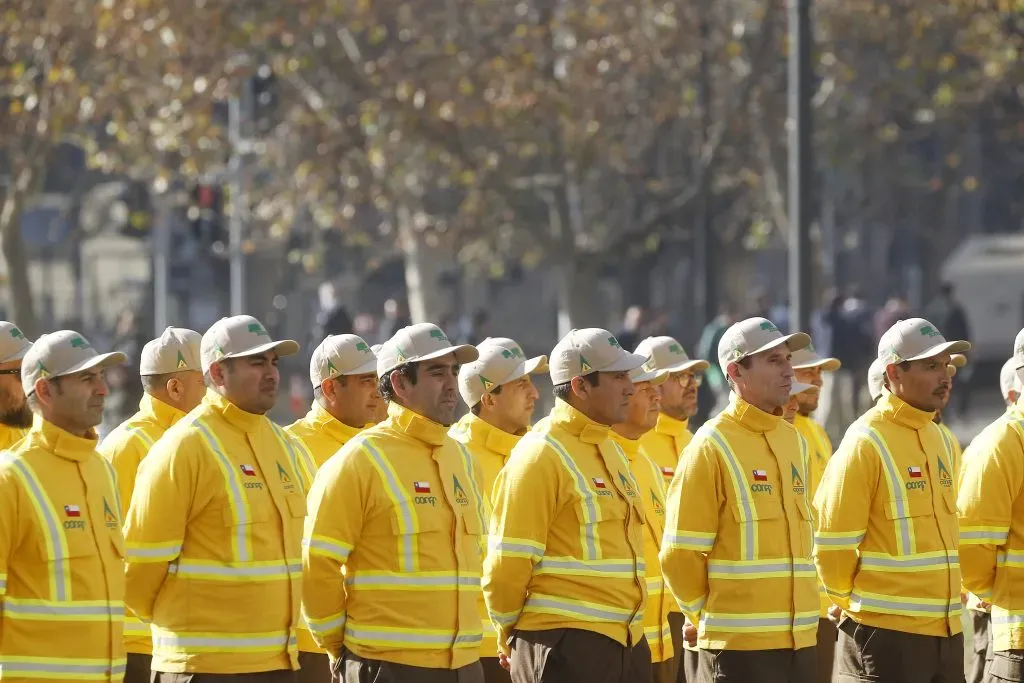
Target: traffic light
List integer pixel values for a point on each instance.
(206, 214)
(138, 211)
(264, 99)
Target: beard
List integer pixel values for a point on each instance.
(17, 417)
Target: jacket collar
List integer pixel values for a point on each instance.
(235, 416)
(61, 443)
(162, 413)
(670, 426)
(629, 446)
(483, 432)
(415, 425)
(576, 423)
(322, 421)
(895, 409)
(752, 417)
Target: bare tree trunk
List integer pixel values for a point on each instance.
(22, 310)
(424, 266)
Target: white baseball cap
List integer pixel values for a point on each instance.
(501, 361)
(341, 354)
(176, 350)
(752, 336)
(915, 339)
(240, 336)
(808, 358)
(876, 379)
(1008, 380)
(582, 352)
(668, 355)
(417, 343)
(13, 344)
(648, 373)
(62, 353)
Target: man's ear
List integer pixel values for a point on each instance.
(733, 370)
(579, 386)
(217, 374)
(892, 373)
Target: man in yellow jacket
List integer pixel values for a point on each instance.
(737, 546)
(664, 641)
(809, 368)
(392, 544)
(343, 371)
(991, 516)
(214, 528)
(671, 434)
(886, 542)
(61, 549)
(15, 415)
(500, 393)
(172, 382)
(564, 574)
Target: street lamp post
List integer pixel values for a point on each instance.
(801, 163)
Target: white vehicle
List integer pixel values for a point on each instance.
(987, 273)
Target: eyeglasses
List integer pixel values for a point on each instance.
(687, 379)
(12, 371)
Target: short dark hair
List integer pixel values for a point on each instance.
(151, 383)
(476, 407)
(318, 391)
(564, 391)
(387, 389)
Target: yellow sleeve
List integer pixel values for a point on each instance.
(124, 451)
(842, 506)
(9, 497)
(155, 525)
(991, 480)
(523, 505)
(690, 533)
(337, 502)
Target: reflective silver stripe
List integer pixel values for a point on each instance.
(508, 547)
(59, 667)
(552, 565)
(748, 539)
(548, 603)
(3, 584)
(1007, 619)
(69, 610)
(886, 604)
(189, 568)
(904, 531)
(326, 625)
(172, 551)
(910, 562)
(692, 607)
(724, 622)
(970, 534)
(847, 540)
(738, 568)
(407, 518)
(238, 502)
(689, 541)
(590, 540)
(289, 447)
(467, 461)
(410, 637)
(112, 480)
(169, 640)
(55, 546)
(412, 580)
(330, 548)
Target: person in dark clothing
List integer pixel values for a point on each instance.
(946, 313)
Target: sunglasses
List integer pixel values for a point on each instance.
(12, 371)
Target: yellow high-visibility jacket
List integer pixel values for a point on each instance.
(399, 510)
(991, 513)
(10, 436)
(61, 561)
(651, 487)
(214, 536)
(124, 448)
(738, 536)
(665, 443)
(566, 537)
(886, 541)
(953, 444)
(319, 435)
(490, 448)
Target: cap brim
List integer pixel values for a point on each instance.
(464, 353)
(696, 365)
(17, 355)
(655, 377)
(795, 342)
(536, 365)
(826, 364)
(626, 362)
(799, 388)
(945, 347)
(369, 367)
(283, 347)
(103, 360)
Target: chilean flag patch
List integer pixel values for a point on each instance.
(668, 471)
(914, 471)
(760, 475)
(599, 483)
(72, 511)
(421, 486)
(248, 470)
